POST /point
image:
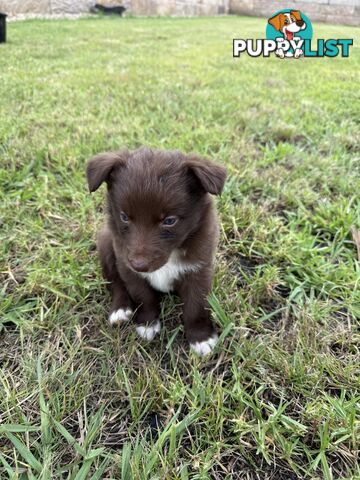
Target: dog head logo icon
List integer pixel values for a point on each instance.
(289, 35)
(288, 27)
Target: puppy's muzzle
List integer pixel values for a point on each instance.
(139, 264)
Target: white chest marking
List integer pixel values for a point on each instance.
(163, 279)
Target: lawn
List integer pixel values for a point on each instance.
(279, 398)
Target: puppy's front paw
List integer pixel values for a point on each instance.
(121, 315)
(148, 332)
(205, 347)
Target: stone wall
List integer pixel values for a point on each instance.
(179, 7)
(331, 11)
(346, 12)
(13, 7)
(137, 7)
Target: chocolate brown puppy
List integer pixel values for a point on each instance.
(160, 235)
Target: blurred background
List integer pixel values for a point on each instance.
(345, 12)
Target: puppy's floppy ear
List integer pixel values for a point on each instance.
(277, 21)
(99, 168)
(210, 175)
(296, 14)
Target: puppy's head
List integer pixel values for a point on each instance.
(157, 200)
(288, 23)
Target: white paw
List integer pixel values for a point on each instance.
(205, 347)
(148, 332)
(121, 315)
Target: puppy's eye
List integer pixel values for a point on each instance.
(286, 21)
(169, 221)
(124, 218)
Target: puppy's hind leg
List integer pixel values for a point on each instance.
(121, 308)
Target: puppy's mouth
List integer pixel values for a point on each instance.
(289, 35)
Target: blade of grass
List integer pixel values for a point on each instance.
(24, 452)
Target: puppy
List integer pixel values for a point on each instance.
(160, 235)
(288, 24)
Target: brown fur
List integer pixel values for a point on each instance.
(150, 185)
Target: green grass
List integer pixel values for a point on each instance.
(279, 399)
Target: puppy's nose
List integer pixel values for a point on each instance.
(299, 23)
(140, 264)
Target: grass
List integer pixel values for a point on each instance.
(279, 399)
